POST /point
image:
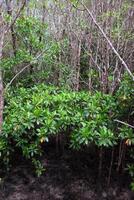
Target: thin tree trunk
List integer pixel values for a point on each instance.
(100, 163)
(1, 100)
(9, 11)
(78, 67)
(4, 28)
(2, 33)
(110, 168)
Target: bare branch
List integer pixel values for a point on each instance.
(108, 40)
(24, 69)
(116, 120)
(17, 15)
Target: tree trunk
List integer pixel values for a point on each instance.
(2, 33)
(75, 61)
(9, 11)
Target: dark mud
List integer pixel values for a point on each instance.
(71, 176)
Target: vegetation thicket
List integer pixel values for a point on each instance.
(64, 74)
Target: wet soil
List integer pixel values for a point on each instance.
(70, 176)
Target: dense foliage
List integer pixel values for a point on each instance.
(60, 77)
(33, 115)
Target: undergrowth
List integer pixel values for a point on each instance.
(33, 115)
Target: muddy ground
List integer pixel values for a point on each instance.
(70, 176)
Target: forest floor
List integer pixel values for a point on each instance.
(71, 176)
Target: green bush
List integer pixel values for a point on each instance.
(33, 115)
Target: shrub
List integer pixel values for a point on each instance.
(33, 115)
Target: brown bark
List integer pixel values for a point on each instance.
(9, 11)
